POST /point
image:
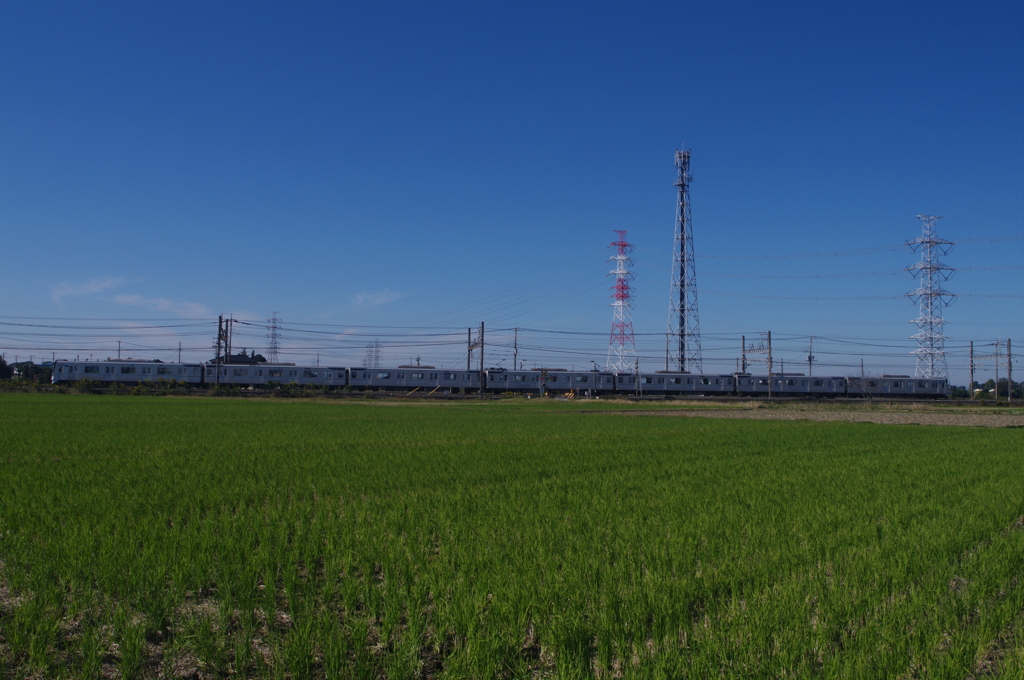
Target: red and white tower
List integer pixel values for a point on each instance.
(621, 346)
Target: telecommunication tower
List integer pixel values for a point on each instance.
(682, 343)
(621, 346)
(931, 298)
(273, 338)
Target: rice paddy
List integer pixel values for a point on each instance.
(146, 537)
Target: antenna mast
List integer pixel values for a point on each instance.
(931, 298)
(682, 344)
(621, 346)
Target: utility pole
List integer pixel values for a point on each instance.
(743, 351)
(515, 349)
(995, 389)
(118, 350)
(769, 365)
(479, 343)
(863, 386)
(1009, 373)
(970, 388)
(179, 351)
(810, 357)
(636, 372)
(221, 340)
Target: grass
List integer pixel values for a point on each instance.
(148, 537)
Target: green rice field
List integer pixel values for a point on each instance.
(161, 537)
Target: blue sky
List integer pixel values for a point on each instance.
(359, 168)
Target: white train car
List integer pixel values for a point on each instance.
(420, 378)
(125, 372)
(264, 374)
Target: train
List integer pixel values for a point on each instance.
(430, 380)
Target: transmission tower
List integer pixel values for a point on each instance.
(373, 355)
(621, 346)
(682, 344)
(273, 337)
(931, 298)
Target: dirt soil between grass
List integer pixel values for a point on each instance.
(868, 416)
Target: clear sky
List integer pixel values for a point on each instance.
(402, 170)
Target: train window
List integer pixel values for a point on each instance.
(401, 376)
(433, 376)
(276, 373)
(872, 383)
(239, 371)
(582, 378)
(450, 376)
(897, 383)
(705, 381)
(648, 380)
(689, 381)
(728, 381)
(790, 382)
(163, 370)
(818, 383)
(519, 378)
(552, 378)
(416, 376)
(762, 381)
(675, 381)
(661, 381)
(923, 384)
(383, 375)
(717, 381)
(92, 369)
(127, 369)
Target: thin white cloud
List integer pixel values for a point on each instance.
(90, 287)
(190, 310)
(366, 299)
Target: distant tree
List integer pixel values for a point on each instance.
(33, 372)
(6, 372)
(960, 392)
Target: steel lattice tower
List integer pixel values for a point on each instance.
(273, 339)
(683, 324)
(931, 297)
(621, 346)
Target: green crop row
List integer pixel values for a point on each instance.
(156, 537)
